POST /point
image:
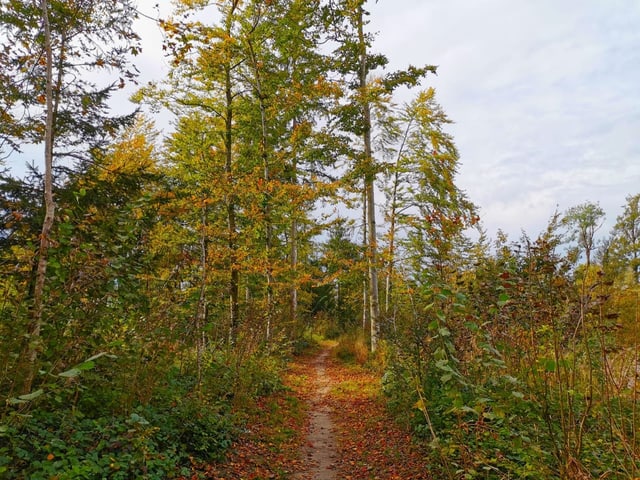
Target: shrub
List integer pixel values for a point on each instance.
(352, 348)
(69, 446)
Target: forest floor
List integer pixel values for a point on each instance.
(330, 423)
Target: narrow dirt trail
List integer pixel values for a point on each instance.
(320, 447)
(350, 434)
(329, 424)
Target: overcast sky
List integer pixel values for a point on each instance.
(545, 96)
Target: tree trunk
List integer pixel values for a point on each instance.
(234, 275)
(201, 312)
(264, 154)
(294, 267)
(369, 188)
(293, 234)
(35, 327)
(365, 282)
(393, 216)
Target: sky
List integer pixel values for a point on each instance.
(545, 96)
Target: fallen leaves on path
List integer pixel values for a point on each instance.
(270, 445)
(370, 445)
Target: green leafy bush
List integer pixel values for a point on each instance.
(68, 446)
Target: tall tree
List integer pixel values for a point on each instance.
(582, 222)
(49, 205)
(253, 85)
(347, 23)
(54, 45)
(436, 212)
(206, 89)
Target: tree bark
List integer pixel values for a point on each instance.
(264, 155)
(35, 327)
(201, 313)
(369, 169)
(234, 275)
(294, 267)
(393, 217)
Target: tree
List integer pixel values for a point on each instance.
(94, 290)
(54, 45)
(438, 211)
(625, 238)
(582, 222)
(249, 91)
(352, 59)
(341, 266)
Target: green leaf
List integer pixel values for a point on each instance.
(88, 364)
(26, 397)
(469, 409)
(139, 419)
(503, 299)
(444, 332)
(73, 372)
(549, 364)
(472, 326)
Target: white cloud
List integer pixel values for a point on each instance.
(544, 95)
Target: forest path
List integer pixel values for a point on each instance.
(320, 448)
(330, 424)
(350, 434)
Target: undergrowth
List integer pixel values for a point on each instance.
(87, 429)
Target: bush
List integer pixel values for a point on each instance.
(352, 348)
(69, 446)
(93, 427)
(202, 431)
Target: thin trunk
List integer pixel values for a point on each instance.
(234, 274)
(392, 221)
(294, 268)
(373, 271)
(369, 187)
(293, 301)
(365, 283)
(201, 313)
(35, 326)
(264, 154)
(391, 251)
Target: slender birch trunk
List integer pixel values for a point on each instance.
(35, 327)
